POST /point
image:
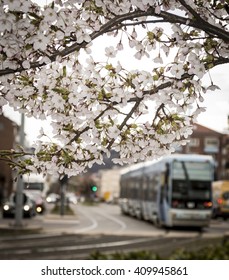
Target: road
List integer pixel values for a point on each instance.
(107, 219)
(102, 228)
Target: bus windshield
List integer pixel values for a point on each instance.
(191, 180)
(201, 171)
(34, 186)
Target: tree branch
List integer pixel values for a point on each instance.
(114, 23)
(202, 24)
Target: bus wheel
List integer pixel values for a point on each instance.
(214, 214)
(123, 212)
(157, 222)
(139, 215)
(200, 229)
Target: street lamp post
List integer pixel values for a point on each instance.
(63, 186)
(19, 190)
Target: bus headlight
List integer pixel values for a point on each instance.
(39, 209)
(6, 207)
(26, 207)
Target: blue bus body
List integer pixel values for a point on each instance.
(173, 191)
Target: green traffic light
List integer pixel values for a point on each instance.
(94, 188)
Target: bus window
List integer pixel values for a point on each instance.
(152, 188)
(191, 180)
(145, 182)
(34, 186)
(195, 170)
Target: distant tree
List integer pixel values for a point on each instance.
(48, 69)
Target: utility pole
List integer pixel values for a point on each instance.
(63, 186)
(19, 190)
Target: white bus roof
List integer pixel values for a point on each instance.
(169, 158)
(33, 178)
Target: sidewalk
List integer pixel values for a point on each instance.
(40, 224)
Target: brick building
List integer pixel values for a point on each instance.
(9, 138)
(210, 142)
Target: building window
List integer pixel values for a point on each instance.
(211, 145)
(227, 165)
(194, 142)
(179, 149)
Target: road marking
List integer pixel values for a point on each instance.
(93, 225)
(81, 247)
(95, 246)
(121, 223)
(53, 221)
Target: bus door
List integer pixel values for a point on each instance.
(164, 204)
(143, 198)
(138, 198)
(124, 196)
(164, 196)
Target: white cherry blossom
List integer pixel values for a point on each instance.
(177, 70)
(40, 42)
(50, 15)
(50, 69)
(110, 52)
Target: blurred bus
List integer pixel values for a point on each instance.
(34, 181)
(220, 192)
(35, 186)
(173, 191)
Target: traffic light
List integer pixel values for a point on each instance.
(94, 188)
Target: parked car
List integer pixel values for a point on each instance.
(71, 198)
(53, 198)
(9, 206)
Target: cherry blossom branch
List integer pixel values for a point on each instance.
(198, 22)
(95, 105)
(114, 23)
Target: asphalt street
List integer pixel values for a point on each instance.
(101, 219)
